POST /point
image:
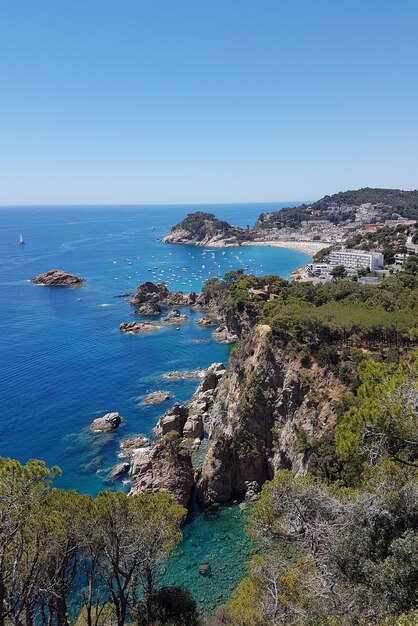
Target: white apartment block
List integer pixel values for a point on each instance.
(357, 259)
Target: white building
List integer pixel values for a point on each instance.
(357, 259)
(319, 269)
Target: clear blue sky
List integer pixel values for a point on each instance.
(171, 101)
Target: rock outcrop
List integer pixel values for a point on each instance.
(149, 309)
(136, 328)
(204, 229)
(119, 470)
(108, 422)
(163, 467)
(223, 335)
(173, 420)
(174, 317)
(57, 278)
(262, 407)
(149, 297)
(204, 322)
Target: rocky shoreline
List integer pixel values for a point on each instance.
(166, 464)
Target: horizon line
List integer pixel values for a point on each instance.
(151, 204)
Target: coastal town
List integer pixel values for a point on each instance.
(346, 236)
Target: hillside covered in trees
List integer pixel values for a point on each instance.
(342, 207)
(337, 543)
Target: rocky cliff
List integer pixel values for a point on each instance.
(265, 404)
(204, 229)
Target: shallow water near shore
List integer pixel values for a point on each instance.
(64, 361)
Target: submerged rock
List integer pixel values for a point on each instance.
(119, 470)
(157, 397)
(127, 294)
(205, 569)
(131, 445)
(57, 278)
(108, 422)
(177, 375)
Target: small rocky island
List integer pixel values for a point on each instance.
(108, 422)
(204, 229)
(57, 278)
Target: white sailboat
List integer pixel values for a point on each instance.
(21, 240)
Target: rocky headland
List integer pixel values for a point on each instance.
(57, 278)
(204, 229)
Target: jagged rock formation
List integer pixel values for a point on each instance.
(263, 405)
(166, 465)
(174, 317)
(57, 278)
(204, 229)
(151, 297)
(223, 335)
(149, 309)
(108, 422)
(163, 467)
(188, 420)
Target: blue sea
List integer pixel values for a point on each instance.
(64, 361)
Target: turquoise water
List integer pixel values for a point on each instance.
(64, 361)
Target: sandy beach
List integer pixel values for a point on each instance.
(308, 247)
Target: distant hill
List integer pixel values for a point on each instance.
(343, 206)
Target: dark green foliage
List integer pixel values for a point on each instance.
(327, 356)
(338, 271)
(322, 255)
(173, 606)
